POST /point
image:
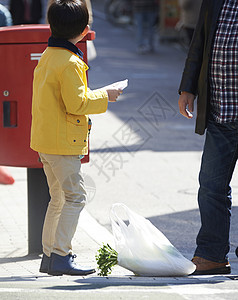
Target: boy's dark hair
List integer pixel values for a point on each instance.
(67, 18)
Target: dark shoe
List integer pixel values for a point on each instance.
(65, 265)
(44, 266)
(208, 267)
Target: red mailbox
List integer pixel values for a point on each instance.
(20, 49)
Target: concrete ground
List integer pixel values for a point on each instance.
(20, 278)
(144, 154)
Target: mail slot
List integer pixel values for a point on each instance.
(20, 50)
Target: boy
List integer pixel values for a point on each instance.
(60, 107)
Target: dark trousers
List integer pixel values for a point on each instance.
(214, 197)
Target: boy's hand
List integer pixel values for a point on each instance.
(113, 94)
(185, 103)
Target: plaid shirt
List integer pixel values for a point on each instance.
(224, 65)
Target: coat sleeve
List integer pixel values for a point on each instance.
(78, 100)
(189, 82)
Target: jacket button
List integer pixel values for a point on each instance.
(74, 141)
(85, 141)
(78, 121)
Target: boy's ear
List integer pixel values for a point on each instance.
(86, 30)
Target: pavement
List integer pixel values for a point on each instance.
(148, 161)
(20, 278)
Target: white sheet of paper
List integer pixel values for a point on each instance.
(121, 85)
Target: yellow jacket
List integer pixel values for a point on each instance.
(61, 102)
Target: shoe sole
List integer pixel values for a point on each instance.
(55, 273)
(60, 273)
(219, 271)
(43, 271)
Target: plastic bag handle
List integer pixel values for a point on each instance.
(114, 216)
(117, 222)
(132, 216)
(119, 227)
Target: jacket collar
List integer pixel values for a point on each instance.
(217, 6)
(54, 42)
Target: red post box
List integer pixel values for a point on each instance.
(20, 49)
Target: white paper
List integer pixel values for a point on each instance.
(120, 85)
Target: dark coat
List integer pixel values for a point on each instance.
(195, 75)
(17, 12)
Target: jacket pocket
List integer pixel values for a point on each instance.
(77, 130)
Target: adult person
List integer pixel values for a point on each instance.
(5, 16)
(26, 11)
(189, 15)
(145, 15)
(211, 73)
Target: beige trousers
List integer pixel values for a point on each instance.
(68, 197)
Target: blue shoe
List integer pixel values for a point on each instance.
(65, 265)
(44, 266)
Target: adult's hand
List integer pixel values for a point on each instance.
(186, 104)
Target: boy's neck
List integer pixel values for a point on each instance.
(75, 40)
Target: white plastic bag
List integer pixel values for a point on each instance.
(143, 249)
